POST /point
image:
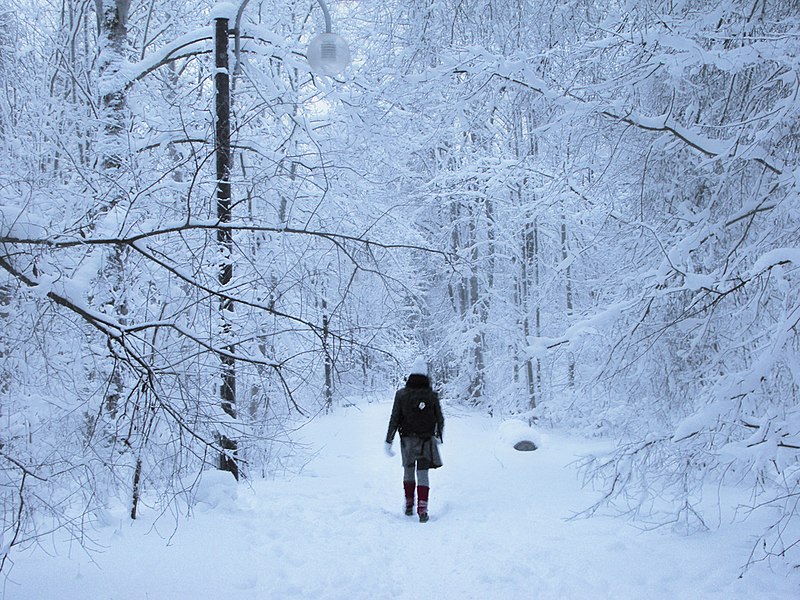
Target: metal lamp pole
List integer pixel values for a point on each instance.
(327, 55)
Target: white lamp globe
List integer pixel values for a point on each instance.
(328, 54)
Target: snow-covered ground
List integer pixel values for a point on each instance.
(335, 530)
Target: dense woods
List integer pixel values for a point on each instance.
(584, 213)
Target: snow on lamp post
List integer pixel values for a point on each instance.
(328, 54)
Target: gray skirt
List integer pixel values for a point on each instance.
(422, 452)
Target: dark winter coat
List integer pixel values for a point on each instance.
(417, 415)
(416, 411)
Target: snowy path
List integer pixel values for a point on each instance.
(498, 531)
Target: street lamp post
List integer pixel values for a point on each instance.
(224, 162)
(327, 54)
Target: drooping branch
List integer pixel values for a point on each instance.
(57, 241)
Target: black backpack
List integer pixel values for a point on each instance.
(419, 416)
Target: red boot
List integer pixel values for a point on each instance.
(408, 486)
(422, 506)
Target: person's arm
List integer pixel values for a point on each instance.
(437, 409)
(394, 420)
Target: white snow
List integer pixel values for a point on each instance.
(224, 10)
(335, 529)
(774, 257)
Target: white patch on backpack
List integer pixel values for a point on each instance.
(422, 406)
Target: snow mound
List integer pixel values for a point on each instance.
(216, 489)
(513, 431)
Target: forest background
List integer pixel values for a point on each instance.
(582, 213)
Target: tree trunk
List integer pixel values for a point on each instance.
(326, 357)
(112, 46)
(112, 42)
(568, 291)
(137, 474)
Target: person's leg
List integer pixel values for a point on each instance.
(408, 488)
(423, 488)
(422, 477)
(409, 482)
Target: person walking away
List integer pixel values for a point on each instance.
(417, 416)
